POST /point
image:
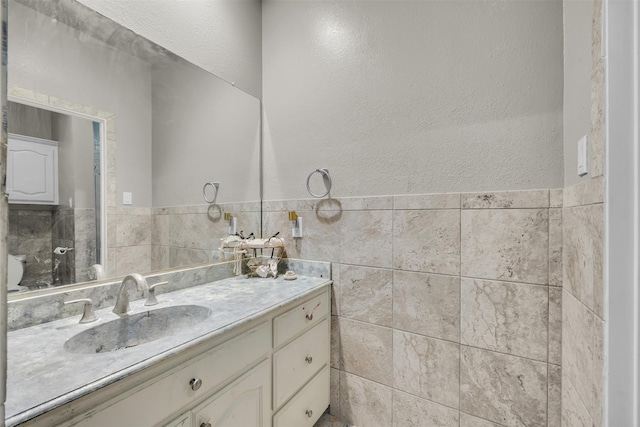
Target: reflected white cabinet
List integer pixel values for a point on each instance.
(32, 170)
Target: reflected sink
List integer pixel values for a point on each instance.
(132, 330)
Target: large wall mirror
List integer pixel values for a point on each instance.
(138, 131)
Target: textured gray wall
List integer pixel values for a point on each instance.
(412, 97)
(203, 130)
(577, 83)
(75, 160)
(221, 36)
(53, 59)
(30, 121)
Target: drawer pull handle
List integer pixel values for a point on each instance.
(309, 316)
(308, 359)
(309, 413)
(195, 384)
(205, 425)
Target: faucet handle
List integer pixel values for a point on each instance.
(151, 299)
(88, 314)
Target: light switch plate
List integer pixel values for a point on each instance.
(127, 198)
(582, 156)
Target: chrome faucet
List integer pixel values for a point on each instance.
(122, 302)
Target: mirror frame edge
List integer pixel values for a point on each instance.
(4, 211)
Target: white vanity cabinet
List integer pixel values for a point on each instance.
(301, 363)
(272, 371)
(156, 400)
(32, 170)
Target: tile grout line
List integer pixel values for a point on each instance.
(403, 391)
(393, 248)
(460, 319)
(458, 275)
(582, 303)
(449, 341)
(481, 418)
(580, 398)
(548, 298)
(339, 362)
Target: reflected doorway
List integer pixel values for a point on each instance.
(59, 240)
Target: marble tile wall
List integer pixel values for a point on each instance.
(582, 310)
(447, 307)
(84, 242)
(35, 231)
(151, 239)
(30, 235)
(63, 235)
(184, 235)
(128, 240)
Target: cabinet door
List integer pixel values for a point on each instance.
(32, 171)
(244, 403)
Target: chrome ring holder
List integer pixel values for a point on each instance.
(215, 186)
(327, 182)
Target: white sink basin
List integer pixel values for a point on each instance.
(132, 330)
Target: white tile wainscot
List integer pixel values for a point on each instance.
(234, 352)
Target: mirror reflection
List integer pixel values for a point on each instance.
(54, 185)
(157, 128)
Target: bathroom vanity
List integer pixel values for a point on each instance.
(259, 358)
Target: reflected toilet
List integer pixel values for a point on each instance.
(15, 270)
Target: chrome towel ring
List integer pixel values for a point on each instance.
(327, 182)
(215, 186)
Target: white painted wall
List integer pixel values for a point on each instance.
(44, 57)
(221, 36)
(578, 16)
(412, 97)
(62, 132)
(4, 219)
(75, 160)
(203, 130)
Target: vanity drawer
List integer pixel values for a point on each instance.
(307, 406)
(294, 321)
(298, 361)
(149, 405)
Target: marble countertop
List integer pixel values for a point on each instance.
(42, 375)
